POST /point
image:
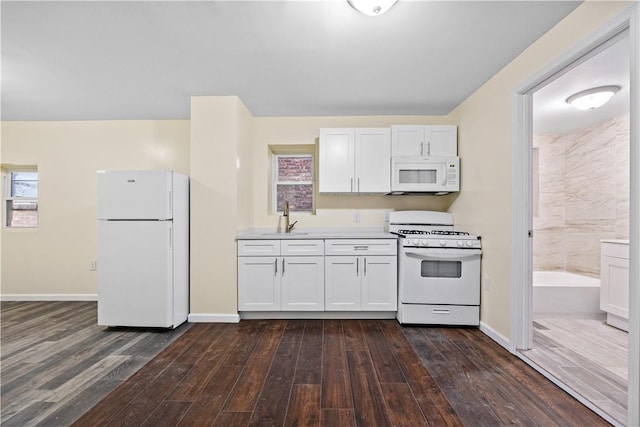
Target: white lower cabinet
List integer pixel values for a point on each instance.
(361, 275)
(258, 284)
(614, 282)
(361, 283)
(293, 281)
(302, 283)
(317, 275)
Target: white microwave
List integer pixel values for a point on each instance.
(439, 175)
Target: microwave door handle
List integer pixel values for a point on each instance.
(444, 175)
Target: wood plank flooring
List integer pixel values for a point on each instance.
(273, 373)
(56, 362)
(587, 355)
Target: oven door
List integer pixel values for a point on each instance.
(440, 276)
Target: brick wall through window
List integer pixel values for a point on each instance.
(294, 182)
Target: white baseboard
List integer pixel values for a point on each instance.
(213, 318)
(494, 335)
(49, 297)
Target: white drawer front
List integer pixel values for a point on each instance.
(258, 247)
(302, 247)
(440, 314)
(361, 247)
(616, 250)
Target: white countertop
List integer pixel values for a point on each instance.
(618, 241)
(317, 233)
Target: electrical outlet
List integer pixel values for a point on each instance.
(92, 265)
(486, 283)
(356, 216)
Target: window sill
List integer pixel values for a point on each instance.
(20, 229)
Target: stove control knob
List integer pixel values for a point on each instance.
(460, 243)
(470, 243)
(424, 242)
(443, 243)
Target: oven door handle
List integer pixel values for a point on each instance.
(457, 256)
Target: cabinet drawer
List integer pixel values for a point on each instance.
(258, 247)
(302, 247)
(616, 250)
(361, 247)
(441, 314)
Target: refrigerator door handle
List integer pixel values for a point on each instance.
(170, 204)
(170, 237)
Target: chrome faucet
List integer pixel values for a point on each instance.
(285, 214)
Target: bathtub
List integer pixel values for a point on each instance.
(564, 294)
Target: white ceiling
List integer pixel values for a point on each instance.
(144, 60)
(553, 116)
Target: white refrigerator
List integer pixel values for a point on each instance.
(143, 248)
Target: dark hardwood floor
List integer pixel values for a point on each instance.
(56, 362)
(332, 373)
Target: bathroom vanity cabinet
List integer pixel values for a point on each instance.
(614, 282)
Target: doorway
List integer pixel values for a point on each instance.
(523, 233)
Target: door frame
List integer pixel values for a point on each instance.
(521, 190)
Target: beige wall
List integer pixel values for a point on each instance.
(221, 134)
(484, 142)
(54, 258)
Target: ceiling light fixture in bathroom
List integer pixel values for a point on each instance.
(372, 7)
(591, 99)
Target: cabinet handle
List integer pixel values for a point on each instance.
(361, 248)
(422, 148)
(429, 148)
(351, 185)
(283, 266)
(365, 266)
(358, 185)
(275, 263)
(357, 266)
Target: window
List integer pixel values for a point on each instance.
(20, 197)
(293, 182)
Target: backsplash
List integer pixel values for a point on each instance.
(582, 195)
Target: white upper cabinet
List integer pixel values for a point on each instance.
(337, 160)
(373, 160)
(425, 141)
(355, 160)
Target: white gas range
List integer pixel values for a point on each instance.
(438, 269)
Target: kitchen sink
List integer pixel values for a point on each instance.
(293, 233)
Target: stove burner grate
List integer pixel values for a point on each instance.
(433, 232)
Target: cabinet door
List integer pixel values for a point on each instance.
(441, 140)
(407, 140)
(302, 283)
(337, 151)
(343, 284)
(614, 286)
(373, 160)
(380, 283)
(258, 284)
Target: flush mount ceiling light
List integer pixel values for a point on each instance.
(591, 99)
(372, 7)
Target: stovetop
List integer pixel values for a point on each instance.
(432, 232)
(438, 239)
(428, 229)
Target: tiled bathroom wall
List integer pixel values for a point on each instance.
(582, 195)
